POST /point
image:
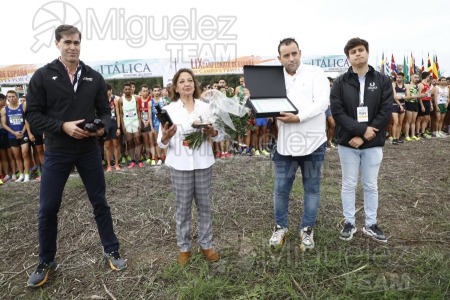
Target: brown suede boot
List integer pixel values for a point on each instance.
(211, 255)
(183, 258)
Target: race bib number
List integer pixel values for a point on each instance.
(16, 120)
(130, 114)
(363, 114)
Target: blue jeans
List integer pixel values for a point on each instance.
(351, 160)
(285, 169)
(56, 171)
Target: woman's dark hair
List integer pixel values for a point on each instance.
(173, 95)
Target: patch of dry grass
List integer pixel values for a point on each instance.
(414, 210)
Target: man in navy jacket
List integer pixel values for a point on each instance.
(361, 101)
(62, 97)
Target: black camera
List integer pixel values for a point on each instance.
(94, 125)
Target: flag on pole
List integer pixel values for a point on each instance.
(437, 67)
(387, 68)
(382, 63)
(423, 66)
(429, 67)
(393, 66)
(405, 70)
(434, 68)
(412, 65)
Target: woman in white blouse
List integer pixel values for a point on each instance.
(191, 169)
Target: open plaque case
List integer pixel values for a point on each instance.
(267, 91)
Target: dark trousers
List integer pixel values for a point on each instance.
(57, 168)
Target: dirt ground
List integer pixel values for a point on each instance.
(414, 207)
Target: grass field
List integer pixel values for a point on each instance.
(414, 191)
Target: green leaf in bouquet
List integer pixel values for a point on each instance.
(195, 139)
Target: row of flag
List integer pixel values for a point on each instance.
(409, 66)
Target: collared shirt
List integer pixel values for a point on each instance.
(179, 155)
(309, 90)
(362, 86)
(73, 76)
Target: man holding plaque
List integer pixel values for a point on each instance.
(301, 142)
(361, 103)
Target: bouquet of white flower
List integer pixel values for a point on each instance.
(228, 115)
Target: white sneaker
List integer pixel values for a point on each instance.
(20, 179)
(278, 237)
(307, 237)
(6, 178)
(159, 162)
(27, 178)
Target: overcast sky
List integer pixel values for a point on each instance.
(137, 29)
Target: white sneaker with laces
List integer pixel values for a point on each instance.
(307, 237)
(278, 237)
(21, 178)
(159, 162)
(27, 178)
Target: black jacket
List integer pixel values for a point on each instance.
(51, 100)
(344, 100)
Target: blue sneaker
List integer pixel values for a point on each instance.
(40, 276)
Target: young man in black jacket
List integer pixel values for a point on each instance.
(361, 101)
(62, 97)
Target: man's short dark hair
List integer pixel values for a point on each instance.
(126, 84)
(425, 74)
(156, 86)
(108, 87)
(144, 85)
(65, 30)
(355, 42)
(12, 92)
(204, 84)
(401, 74)
(3, 97)
(287, 42)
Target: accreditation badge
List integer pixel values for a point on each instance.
(363, 114)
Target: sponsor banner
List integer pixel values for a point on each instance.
(166, 68)
(132, 68)
(206, 67)
(329, 63)
(17, 74)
